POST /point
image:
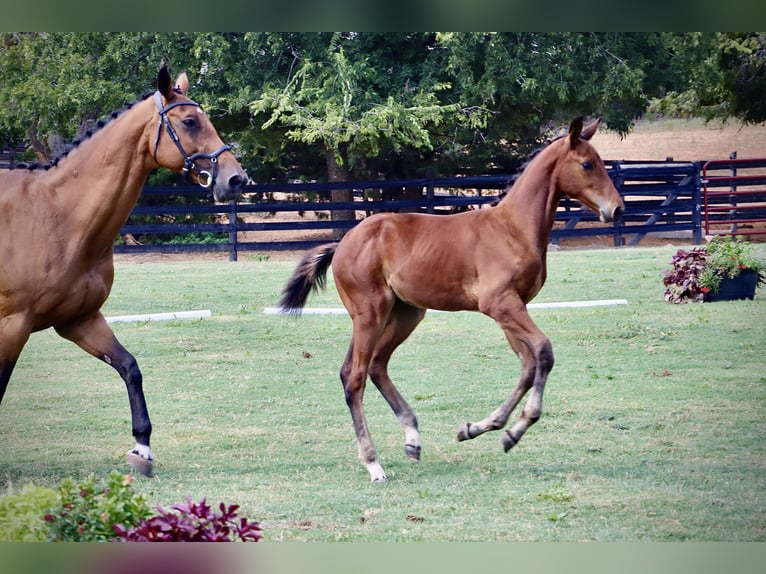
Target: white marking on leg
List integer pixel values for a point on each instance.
(377, 474)
(142, 450)
(412, 436)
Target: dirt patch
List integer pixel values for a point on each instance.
(683, 140)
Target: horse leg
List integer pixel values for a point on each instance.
(536, 355)
(14, 333)
(94, 336)
(402, 321)
(353, 374)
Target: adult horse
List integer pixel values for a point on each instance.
(392, 267)
(58, 224)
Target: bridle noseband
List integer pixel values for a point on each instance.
(204, 178)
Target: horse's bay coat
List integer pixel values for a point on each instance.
(392, 267)
(57, 230)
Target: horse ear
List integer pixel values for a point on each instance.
(575, 128)
(182, 83)
(590, 129)
(164, 82)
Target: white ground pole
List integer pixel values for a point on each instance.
(557, 305)
(200, 314)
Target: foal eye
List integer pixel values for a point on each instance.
(586, 165)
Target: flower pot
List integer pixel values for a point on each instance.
(741, 287)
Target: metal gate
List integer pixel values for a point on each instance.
(734, 196)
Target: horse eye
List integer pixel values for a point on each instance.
(189, 122)
(587, 165)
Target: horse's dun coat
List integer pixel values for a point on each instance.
(57, 230)
(392, 267)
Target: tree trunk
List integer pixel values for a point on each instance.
(337, 171)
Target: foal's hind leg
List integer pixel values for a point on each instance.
(96, 337)
(536, 355)
(402, 321)
(368, 327)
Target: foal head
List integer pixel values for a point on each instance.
(186, 140)
(581, 173)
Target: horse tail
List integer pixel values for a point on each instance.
(308, 276)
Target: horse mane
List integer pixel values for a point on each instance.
(520, 170)
(100, 124)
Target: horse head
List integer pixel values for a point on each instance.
(191, 143)
(582, 175)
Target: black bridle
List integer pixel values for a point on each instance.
(205, 178)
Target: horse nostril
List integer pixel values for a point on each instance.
(236, 182)
(618, 213)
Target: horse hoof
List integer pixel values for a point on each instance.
(508, 441)
(464, 433)
(412, 451)
(140, 464)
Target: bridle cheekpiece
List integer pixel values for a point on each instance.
(205, 178)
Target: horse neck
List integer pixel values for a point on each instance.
(98, 183)
(530, 206)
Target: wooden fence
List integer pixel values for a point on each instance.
(660, 197)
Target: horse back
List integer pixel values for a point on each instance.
(429, 261)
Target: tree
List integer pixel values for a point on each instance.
(355, 97)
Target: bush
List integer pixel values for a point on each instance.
(22, 515)
(193, 523)
(89, 510)
(94, 510)
(682, 281)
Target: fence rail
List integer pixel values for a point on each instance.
(734, 202)
(660, 197)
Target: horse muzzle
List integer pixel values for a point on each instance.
(229, 189)
(611, 214)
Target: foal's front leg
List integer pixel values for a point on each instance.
(536, 354)
(94, 336)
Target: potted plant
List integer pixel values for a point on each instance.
(724, 269)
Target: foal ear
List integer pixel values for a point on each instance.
(590, 129)
(164, 82)
(182, 83)
(575, 128)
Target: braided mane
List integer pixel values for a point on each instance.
(100, 124)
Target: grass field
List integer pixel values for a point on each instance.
(653, 423)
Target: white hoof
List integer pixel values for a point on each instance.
(377, 474)
(140, 458)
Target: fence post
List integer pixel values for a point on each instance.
(697, 201)
(618, 181)
(233, 232)
(733, 197)
(430, 195)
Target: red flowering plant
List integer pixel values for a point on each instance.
(192, 522)
(698, 272)
(682, 282)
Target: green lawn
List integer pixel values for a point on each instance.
(652, 427)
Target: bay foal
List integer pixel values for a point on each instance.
(392, 267)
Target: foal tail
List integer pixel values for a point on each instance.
(308, 276)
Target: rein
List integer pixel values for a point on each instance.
(204, 178)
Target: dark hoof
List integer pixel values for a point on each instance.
(412, 451)
(140, 464)
(465, 432)
(508, 441)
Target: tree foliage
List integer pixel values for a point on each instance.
(298, 105)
